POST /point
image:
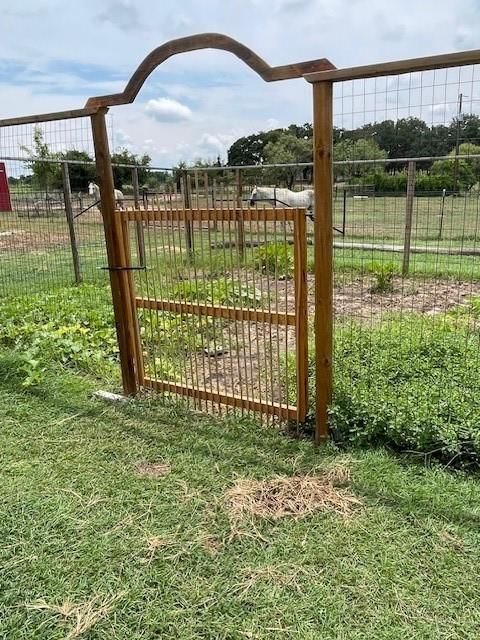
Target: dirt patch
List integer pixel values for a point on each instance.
(429, 297)
(355, 298)
(153, 469)
(294, 497)
(19, 240)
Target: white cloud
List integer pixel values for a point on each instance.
(216, 144)
(122, 14)
(122, 140)
(273, 123)
(167, 110)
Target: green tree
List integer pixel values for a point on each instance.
(287, 149)
(468, 129)
(445, 171)
(470, 149)
(251, 149)
(123, 175)
(354, 150)
(80, 174)
(45, 174)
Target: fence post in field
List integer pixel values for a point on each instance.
(240, 224)
(323, 252)
(121, 281)
(139, 224)
(67, 195)
(442, 211)
(344, 215)
(408, 216)
(187, 203)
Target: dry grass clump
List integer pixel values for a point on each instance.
(339, 473)
(85, 615)
(276, 576)
(295, 497)
(153, 469)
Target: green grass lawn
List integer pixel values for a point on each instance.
(80, 524)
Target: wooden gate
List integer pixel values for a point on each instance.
(222, 305)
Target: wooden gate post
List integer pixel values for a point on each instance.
(118, 263)
(323, 252)
(67, 196)
(408, 216)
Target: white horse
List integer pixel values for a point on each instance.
(94, 190)
(284, 197)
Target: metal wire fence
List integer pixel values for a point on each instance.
(406, 229)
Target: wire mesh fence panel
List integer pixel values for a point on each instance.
(52, 234)
(221, 326)
(406, 267)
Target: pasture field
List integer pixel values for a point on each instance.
(36, 250)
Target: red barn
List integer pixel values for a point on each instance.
(5, 202)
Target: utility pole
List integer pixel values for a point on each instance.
(457, 143)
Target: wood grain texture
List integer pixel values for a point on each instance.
(408, 217)
(67, 195)
(323, 253)
(49, 117)
(270, 408)
(301, 315)
(218, 311)
(206, 41)
(443, 61)
(120, 282)
(216, 215)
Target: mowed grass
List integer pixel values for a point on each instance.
(161, 557)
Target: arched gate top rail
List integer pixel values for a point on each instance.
(207, 41)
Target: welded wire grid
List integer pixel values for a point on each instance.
(385, 272)
(216, 301)
(37, 249)
(36, 245)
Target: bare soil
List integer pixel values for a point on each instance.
(21, 240)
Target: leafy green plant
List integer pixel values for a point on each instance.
(384, 273)
(275, 258)
(218, 292)
(411, 383)
(419, 393)
(167, 339)
(73, 327)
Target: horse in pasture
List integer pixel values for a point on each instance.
(94, 190)
(283, 197)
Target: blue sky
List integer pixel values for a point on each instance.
(55, 54)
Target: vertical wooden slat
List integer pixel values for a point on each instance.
(408, 216)
(138, 225)
(240, 223)
(121, 294)
(323, 253)
(187, 201)
(140, 366)
(67, 194)
(301, 313)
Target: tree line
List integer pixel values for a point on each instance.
(47, 176)
(403, 138)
